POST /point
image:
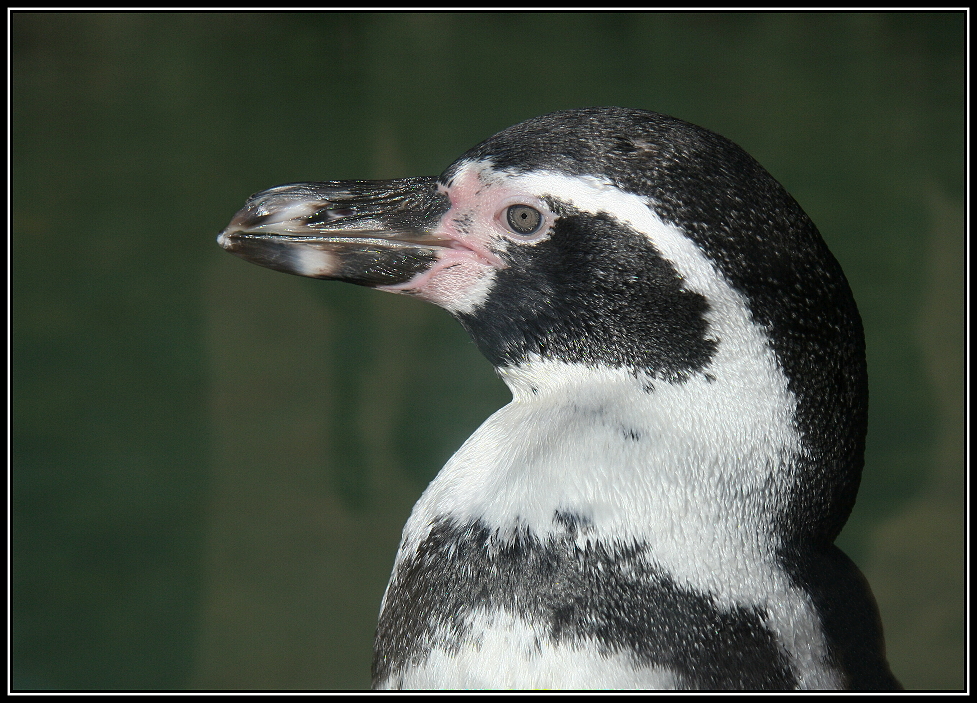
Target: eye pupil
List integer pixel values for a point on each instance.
(523, 219)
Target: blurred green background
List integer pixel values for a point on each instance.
(212, 461)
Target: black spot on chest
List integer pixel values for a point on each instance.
(608, 597)
(631, 434)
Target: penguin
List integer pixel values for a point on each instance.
(657, 506)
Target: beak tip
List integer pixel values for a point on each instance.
(226, 240)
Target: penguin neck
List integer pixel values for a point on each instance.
(695, 471)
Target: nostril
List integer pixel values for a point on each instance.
(330, 215)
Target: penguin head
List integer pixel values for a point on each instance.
(608, 238)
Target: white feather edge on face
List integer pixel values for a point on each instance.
(703, 482)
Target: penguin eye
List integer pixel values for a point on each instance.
(523, 219)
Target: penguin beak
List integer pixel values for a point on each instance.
(372, 233)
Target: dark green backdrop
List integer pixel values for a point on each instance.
(212, 461)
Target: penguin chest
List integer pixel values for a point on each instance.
(596, 543)
(475, 609)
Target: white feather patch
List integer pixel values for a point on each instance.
(510, 654)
